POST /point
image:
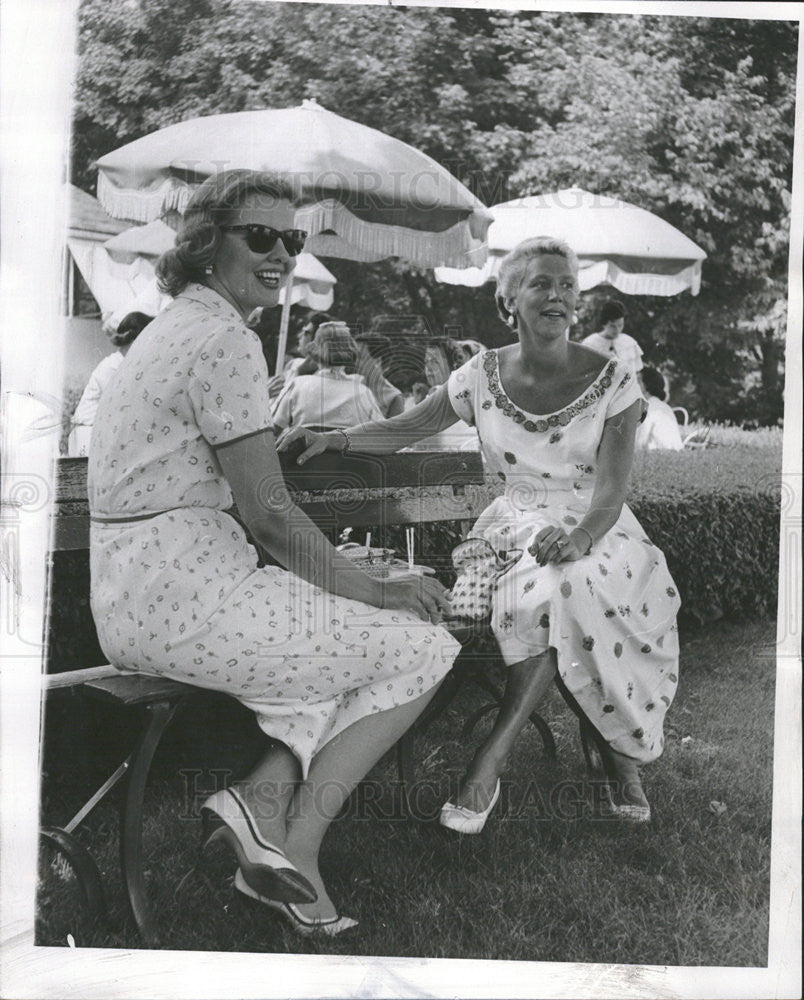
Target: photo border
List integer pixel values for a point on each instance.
(37, 70)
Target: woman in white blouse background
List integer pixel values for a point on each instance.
(659, 429)
(331, 397)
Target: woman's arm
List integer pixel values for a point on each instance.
(615, 457)
(252, 469)
(396, 406)
(381, 437)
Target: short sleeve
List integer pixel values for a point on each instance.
(462, 389)
(282, 413)
(625, 390)
(638, 352)
(229, 386)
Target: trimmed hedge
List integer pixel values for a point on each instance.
(714, 513)
(722, 549)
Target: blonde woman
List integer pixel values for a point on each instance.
(591, 598)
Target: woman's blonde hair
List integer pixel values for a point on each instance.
(514, 264)
(332, 347)
(199, 234)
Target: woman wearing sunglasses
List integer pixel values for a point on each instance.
(336, 665)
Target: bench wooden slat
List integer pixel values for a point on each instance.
(137, 689)
(70, 678)
(336, 491)
(329, 471)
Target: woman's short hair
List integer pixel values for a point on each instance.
(654, 383)
(611, 310)
(316, 319)
(129, 328)
(514, 264)
(332, 347)
(199, 235)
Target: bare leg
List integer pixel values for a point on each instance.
(268, 791)
(628, 790)
(525, 687)
(334, 773)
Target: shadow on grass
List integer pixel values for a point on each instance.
(548, 880)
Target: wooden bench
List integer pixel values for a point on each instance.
(338, 492)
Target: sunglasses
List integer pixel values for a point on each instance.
(262, 239)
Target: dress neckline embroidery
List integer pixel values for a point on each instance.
(560, 418)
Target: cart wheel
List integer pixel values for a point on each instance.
(63, 859)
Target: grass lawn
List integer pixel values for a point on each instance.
(545, 881)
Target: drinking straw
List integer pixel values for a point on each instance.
(368, 541)
(409, 535)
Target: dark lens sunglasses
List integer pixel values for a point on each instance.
(262, 239)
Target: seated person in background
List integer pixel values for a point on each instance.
(302, 363)
(659, 428)
(436, 364)
(461, 351)
(460, 436)
(611, 340)
(330, 397)
(122, 334)
(418, 392)
(390, 399)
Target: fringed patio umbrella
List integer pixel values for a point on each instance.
(367, 196)
(618, 244)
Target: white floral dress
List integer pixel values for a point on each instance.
(176, 590)
(611, 615)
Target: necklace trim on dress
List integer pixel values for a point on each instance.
(561, 417)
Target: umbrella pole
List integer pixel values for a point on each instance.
(283, 327)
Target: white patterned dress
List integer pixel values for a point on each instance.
(176, 590)
(611, 615)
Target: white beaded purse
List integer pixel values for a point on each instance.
(479, 568)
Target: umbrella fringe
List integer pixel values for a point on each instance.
(350, 236)
(591, 274)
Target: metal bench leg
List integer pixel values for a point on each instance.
(131, 820)
(440, 700)
(477, 715)
(548, 742)
(83, 865)
(596, 750)
(482, 681)
(405, 747)
(406, 769)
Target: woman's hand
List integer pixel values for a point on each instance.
(554, 545)
(314, 442)
(420, 594)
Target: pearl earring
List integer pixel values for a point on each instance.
(208, 269)
(511, 321)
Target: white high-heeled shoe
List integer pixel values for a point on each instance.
(301, 925)
(463, 820)
(265, 867)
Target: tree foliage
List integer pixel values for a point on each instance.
(691, 118)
